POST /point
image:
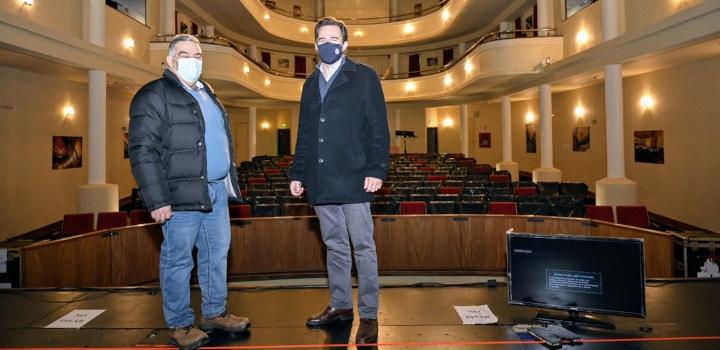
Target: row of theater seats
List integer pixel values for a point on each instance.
(75, 224)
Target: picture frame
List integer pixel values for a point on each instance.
(484, 140)
(530, 138)
(581, 138)
(649, 146)
(66, 152)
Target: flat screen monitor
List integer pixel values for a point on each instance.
(577, 273)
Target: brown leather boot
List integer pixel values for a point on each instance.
(329, 316)
(225, 322)
(188, 338)
(367, 331)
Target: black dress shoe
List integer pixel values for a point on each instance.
(329, 316)
(367, 332)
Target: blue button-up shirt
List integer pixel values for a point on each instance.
(216, 140)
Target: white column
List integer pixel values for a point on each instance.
(252, 52)
(97, 195)
(395, 64)
(294, 124)
(610, 19)
(167, 12)
(464, 148)
(210, 30)
(546, 172)
(507, 163)
(319, 9)
(252, 132)
(96, 22)
(394, 10)
(545, 15)
(462, 47)
(615, 189)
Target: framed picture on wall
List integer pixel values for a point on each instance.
(485, 140)
(283, 63)
(581, 138)
(126, 154)
(66, 152)
(297, 11)
(432, 61)
(649, 147)
(530, 138)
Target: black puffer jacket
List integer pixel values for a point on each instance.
(167, 146)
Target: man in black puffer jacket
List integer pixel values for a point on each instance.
(181, 156)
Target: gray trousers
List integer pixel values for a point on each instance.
(340, 225)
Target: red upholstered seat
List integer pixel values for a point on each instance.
(410, 208)
(239, 211)
(503, 208)
(633, 215)
(450, 190)
(435, 178)
(600, 212)
(257, 180)
(525, 191)
(499, 179)
(76, 224)
(112, 219)
(140, 217)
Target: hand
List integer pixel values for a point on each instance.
(160, 215)
(372, 184)
(296, 188)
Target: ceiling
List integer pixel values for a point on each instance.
(231, 14)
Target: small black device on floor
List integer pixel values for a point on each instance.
(554, 336)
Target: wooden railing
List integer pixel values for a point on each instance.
(291, 246)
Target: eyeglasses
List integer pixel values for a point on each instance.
(333, 40)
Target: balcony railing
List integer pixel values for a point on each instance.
(494, 36)
(270, 5)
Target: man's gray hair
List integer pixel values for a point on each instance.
(178, 38)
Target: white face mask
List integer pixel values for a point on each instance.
(189, 69)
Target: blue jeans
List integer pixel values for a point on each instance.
(210, 233)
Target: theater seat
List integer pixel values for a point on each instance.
(138, 217)
(503, 208)
(529, 208)
(451, 190)
(297, 209)
(549, 188)
(442, 207)
(421, 197)
(568, 210)
(473, 207)
(238, 211)
(499, 179)
(76, 224)
(112, 219)
(525, 191)
(633, 216)
(385, 208)
(600, 212)
(265, 209)
(411, 208)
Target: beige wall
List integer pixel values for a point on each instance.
(33, 193)
(486, 118)
(640, 13)
(64, 16)
(526, 161)
(357, 9)
(120, 27)
(238, 120)
(448, 135)
(411, 118)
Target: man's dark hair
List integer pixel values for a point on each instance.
(331, 21)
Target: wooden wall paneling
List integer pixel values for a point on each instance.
(135, 254)
(485, 245)
(561, 226)
(277, 245)
(420, 242)
(81, 261)
(659, 258)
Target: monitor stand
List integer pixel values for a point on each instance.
(573, 319)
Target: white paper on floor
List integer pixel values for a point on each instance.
(476, 314)
(75, 319)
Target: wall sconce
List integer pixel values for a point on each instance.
(303, 29)
(27, 2)
(448, 80)
(647, 102)
(265, 125)
(246, 69)
(129, 43)
(267, 82)
(468, 67)
(580, 112)
(529, 117)
(266, 17)
(359, 33)
(409, 28)
(582, 37)
(445, 15)
(410, 86)
(448, 122)
(68, 112)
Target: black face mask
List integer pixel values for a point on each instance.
(330, 52)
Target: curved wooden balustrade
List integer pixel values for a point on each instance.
(406, 244)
